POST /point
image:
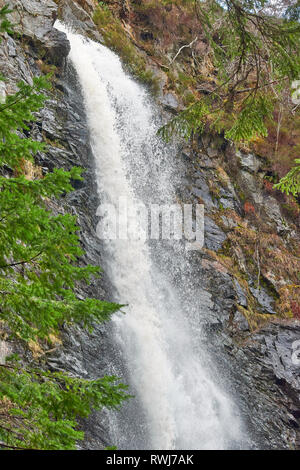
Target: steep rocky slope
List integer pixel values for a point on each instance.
(249, 267)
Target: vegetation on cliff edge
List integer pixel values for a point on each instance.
(233, 63)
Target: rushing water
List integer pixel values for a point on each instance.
(178, 403)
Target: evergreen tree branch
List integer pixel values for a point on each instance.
(21, 262)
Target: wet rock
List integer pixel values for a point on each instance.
(56, 156)
(240, 321)
(74, 364)
(267, 358)
(48, 117)
(214, 237)
(215, 265)
(241, 294)
(14, 65)
(228, 196)
(265, 301)
(58, 46)
(2, 92)
(77, 198)
(201, 190)
(204, 196)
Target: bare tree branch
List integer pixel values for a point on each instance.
(183, 47)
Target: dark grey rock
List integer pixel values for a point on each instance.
(214, 237)
(267, 357)
(241, 321)
(34, 20)
(58, 46)
(201, 190)
(264, 300)
(241, 294)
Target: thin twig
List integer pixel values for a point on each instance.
(21, 262)
(183, 47)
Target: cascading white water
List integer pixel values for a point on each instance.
(182, 406)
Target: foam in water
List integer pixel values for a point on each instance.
(183, 407)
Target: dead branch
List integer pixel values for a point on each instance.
(183, 47)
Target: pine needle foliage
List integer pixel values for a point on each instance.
(290, 183)
(39, 409)
(256, 57)
(5, 24)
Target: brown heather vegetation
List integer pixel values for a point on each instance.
(252, 248)
(159, 28)
(145, 32)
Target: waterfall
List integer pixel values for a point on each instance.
(178, 403)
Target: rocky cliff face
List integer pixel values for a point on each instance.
(248, 267)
